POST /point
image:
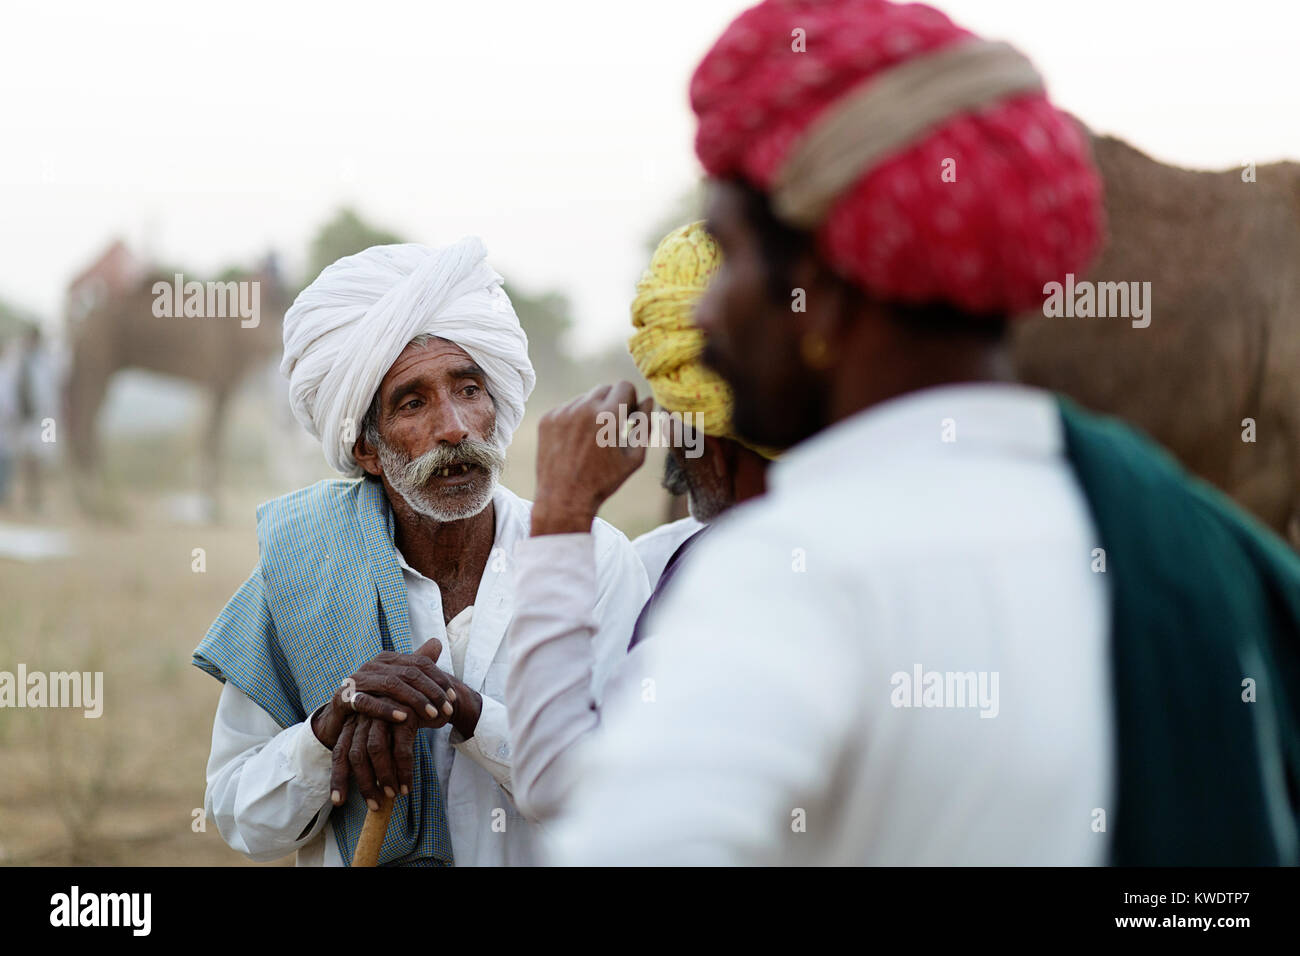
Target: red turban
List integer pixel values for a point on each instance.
(1020, 205)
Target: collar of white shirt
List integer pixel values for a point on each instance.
(1003, 419)
(483, 629)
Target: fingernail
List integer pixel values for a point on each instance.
(399, 715)
(448, 709)
(389, 792)
(451, 695)
(405, 789)
(336, 798)
(373, 805)
(430, 710)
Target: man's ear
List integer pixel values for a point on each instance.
(828, 307)
(718, 451)
(807, 298)
(367, 457)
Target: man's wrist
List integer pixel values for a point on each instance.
(325, 726)
(561, 518)
(469, 706)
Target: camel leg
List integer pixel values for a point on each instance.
(32, 476)
(210, 459)
(86, 389)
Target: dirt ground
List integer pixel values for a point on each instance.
(127, 788)
(121, 788)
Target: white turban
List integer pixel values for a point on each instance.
(345, 330)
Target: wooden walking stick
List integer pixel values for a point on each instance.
(372, 834)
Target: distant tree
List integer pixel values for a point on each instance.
(344, 235)
(545, 316)
(547, 320)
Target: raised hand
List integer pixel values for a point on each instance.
(576, 470)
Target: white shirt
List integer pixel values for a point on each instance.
(773, 733)
(657, 545)
(549, 691)
(268, 788)
(458, 629)
(553, 693)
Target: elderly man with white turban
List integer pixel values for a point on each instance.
(368, 641)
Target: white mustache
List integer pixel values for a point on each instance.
(485, 455)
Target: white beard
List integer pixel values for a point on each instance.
(440, 504)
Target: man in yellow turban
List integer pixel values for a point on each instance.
(667, 347)
(548, 691)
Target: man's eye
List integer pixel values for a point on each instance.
(413, 403)
(471, 390)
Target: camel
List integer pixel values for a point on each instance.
(1222, 254)
(121, 331)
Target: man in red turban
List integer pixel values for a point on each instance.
(969, 623)
(914, 163)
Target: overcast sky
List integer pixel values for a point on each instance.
(557, 131)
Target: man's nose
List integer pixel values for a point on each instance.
(449, 424)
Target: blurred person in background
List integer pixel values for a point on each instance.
(29, 399)
(9, 429)
(368, 640)
(969, 623)
(550, 691)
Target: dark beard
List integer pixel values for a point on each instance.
(674, 480)
(779, 411)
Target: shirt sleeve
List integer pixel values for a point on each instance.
(574, 616)
(490, 745)
(267, 787)
(746, 697)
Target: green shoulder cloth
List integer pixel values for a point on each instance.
(1206, 658)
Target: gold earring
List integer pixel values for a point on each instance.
(814, 350)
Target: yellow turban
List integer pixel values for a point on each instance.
(667, 345)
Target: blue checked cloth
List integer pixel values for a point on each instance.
(327, 596)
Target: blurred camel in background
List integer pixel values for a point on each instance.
(1220, 249)
(112, 327)
(1222, 254)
